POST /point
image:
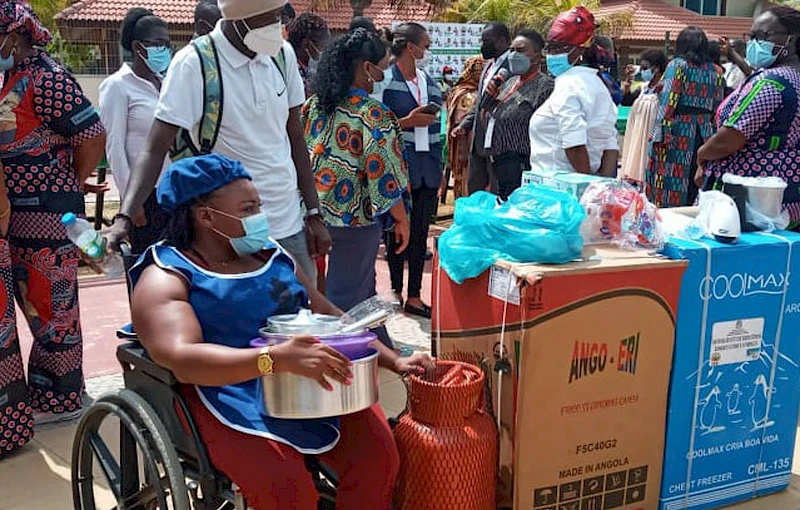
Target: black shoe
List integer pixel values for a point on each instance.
(424, 311)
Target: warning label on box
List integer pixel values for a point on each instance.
(604, 492)
(503, 285)
(736, 341)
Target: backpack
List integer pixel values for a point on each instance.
(184, 146)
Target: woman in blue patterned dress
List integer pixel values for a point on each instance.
(759, 124)
(51, 140)
(357, 156)
(692, 91)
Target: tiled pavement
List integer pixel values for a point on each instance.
(38, 477)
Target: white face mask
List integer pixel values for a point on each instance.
(266, 40)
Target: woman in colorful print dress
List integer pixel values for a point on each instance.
(51, 140)
(460, 101)
(692, 91)
(357, 156)
(759, 124)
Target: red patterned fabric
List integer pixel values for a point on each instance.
(18, 15)
(16, 425)
(44, 116)
(575, 27)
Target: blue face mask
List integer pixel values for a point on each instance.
(558, 64)
(256, 233)
(647, 74)
(760, 53)
(6, 64)
(158, 58)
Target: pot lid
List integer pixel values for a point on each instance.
(304, 320)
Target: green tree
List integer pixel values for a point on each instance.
(537, 14)
(71, 55)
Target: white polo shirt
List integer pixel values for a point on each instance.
(256, 103)
(580, 111)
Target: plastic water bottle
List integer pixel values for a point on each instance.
(85, 237)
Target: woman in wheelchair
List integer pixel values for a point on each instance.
(199, 298)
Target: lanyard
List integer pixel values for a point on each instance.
(415, 82)
(519, 83)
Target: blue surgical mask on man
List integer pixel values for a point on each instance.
(558, 64)
(158, 58)
(648, 74)
(256, 233)
(761, 54)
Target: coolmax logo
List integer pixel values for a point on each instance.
(741, 285)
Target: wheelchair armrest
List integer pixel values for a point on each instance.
(132, 356)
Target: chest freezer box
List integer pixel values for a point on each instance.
(579, 356)
(734, 398)
(576, 183)
(542, 177)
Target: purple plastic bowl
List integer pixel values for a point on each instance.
(353, 345)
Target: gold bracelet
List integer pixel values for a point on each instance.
(5, 214)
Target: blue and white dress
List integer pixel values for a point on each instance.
(231, 308)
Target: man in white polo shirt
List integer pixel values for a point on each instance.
(260, 126)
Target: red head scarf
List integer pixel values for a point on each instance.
(575, 27)
(18, 15)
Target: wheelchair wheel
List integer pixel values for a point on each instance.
(144, 474)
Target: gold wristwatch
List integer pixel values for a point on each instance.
(265, 362)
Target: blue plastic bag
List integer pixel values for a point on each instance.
(536, 224)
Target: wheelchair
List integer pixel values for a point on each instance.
(159, 465)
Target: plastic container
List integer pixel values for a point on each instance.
(89, 241)
(766, 195)
(352, 345)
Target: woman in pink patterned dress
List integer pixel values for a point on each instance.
(51, 140)
(759, 123)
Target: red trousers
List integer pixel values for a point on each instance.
(273, 476)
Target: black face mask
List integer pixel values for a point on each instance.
(488, 51)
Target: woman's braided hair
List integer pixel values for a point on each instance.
(305, 26)
(337, 66)
(790, 19)
(180, 231)
(137, 26)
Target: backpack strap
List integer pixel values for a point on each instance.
(280, 62)
(212, 104)
(212, 93)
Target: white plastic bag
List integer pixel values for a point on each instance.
(764, 222)
(706, 202)
(764, 207)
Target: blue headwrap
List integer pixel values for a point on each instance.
(190, 178)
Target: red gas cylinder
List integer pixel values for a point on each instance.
(447, 443)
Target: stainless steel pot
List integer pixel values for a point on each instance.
(294, 396)
(303, 323)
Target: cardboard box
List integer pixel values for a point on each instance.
(575, 183)
(580, 358)
(542, 177)
(734, 396)
(571, 182)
